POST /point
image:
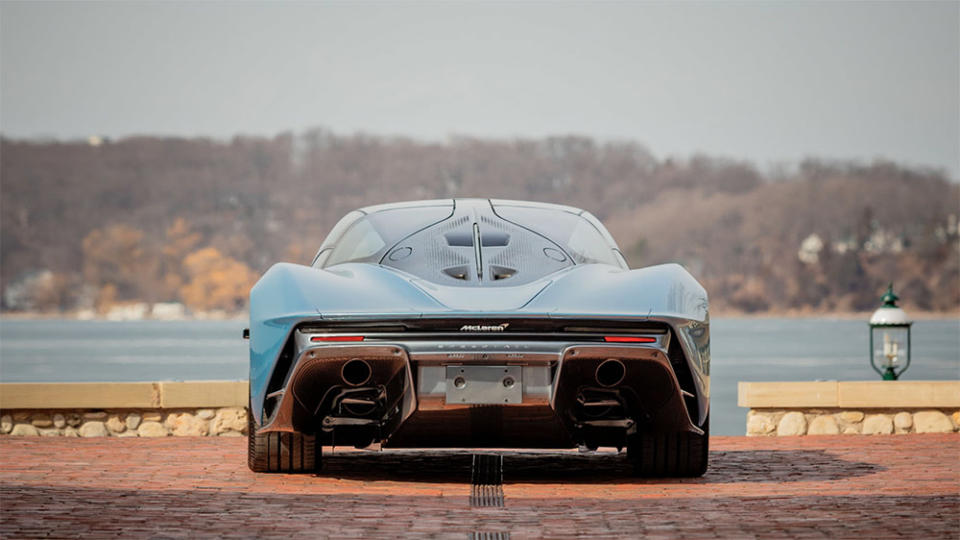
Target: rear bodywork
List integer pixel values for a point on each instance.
(586, 354)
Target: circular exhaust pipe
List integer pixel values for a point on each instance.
(355, 372)
(610, 372)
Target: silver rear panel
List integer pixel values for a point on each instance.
(484, 385)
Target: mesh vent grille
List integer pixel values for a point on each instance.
(444, 254)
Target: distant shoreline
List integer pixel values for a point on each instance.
(799, 315)
(23, 316)
(839, 315)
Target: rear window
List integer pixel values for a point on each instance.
(368, 238)
(580, 238)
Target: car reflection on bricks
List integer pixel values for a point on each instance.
(478, 323)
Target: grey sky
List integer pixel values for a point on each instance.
(766, 82)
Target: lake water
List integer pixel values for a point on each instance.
(742, 350)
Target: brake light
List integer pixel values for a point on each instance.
(316, 339)
(629, 339)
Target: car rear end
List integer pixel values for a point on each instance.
(483, 382)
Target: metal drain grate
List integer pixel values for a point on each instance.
(482, 535)
(487, 481)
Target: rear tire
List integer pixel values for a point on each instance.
(282, 452)
(670, 454)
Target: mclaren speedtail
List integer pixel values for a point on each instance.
(478, 323)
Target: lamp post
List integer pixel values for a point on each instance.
(890, 338)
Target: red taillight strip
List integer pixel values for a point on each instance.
(629, 339)
(336, 338)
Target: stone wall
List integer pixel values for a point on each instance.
(773, 422)
(850, 407)
(191, 422)
(124, 409)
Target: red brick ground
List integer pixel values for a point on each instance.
(844, 486)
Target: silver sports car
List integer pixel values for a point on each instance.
(478, 323)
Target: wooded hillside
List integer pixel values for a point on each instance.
(196, 221)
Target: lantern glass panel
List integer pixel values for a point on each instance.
(890, 346)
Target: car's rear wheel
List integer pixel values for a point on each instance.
(282, 452)
(670, 454)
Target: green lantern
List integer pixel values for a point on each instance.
(890, 338)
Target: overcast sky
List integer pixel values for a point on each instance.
(769, 82)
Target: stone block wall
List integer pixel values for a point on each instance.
(861, 421)
(191, 422)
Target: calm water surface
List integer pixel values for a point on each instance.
(742, 350)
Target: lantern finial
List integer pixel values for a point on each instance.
(889, 299)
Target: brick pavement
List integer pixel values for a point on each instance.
(843, 486)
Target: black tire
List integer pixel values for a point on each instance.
(679, 455)
(282, 452)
